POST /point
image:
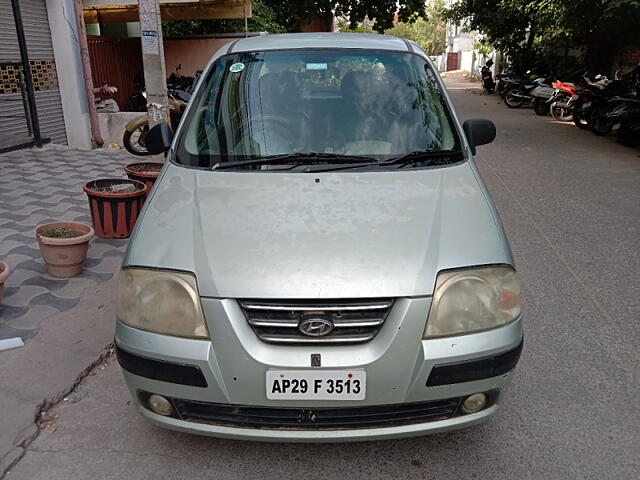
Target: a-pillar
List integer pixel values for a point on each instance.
(155, 76)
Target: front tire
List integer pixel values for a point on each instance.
(134, 141)
(561, 111)
(599, 123)
(541, 107)
(580, 116)
(512, 101)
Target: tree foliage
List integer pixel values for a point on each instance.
(526, 28)
(264, 19)
(429, 31)
(276, 16)
(291, 13)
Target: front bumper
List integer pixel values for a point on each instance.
(401, 369)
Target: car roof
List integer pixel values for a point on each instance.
(288, 41)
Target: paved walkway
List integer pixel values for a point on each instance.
(38, 186)
(67, 323)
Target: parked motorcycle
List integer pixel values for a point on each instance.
(542, 97)
(618, 114)
(138, 101)
(595, 103)
(560, 103)
(505, 81)
(587, 92)
(629, 133)
(523, 94)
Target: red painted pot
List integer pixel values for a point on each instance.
(115, 204)
(145, 172)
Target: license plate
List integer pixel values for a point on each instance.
(586, 104)
(316, 385)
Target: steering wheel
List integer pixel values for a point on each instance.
(276, 129)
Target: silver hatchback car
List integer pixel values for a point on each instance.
(319, 259)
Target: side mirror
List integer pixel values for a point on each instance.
(479, 132)
(159, 139)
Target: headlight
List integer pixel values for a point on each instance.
(472, 300)
(161, 302)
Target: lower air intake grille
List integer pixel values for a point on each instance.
(318, 418)
(316, 322)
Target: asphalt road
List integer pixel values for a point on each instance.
(570, 203)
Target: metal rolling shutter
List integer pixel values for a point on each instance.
(40, 48)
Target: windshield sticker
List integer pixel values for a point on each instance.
(317, 66)
(236, 67)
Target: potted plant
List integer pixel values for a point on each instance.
(115, 204)
(145, 172)
(4, 274)
(64, 247)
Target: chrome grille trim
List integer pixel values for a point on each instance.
(294, 323)
(324, 308)
(299, 339)
(354, 321)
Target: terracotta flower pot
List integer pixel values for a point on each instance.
(115, 204)
(145, 172)
(64, 257)
(4, 274)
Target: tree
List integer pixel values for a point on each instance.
(526, 29)
(276, 16)
(429, 32)
(290, 14)
(264, 19)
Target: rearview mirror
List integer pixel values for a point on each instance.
(479, 131)
(159, 139)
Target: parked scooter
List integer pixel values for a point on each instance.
(488, 84)
(135, 132)
(179, 91)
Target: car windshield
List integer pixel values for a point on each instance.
(355, 104)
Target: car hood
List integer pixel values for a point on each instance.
(327, 235)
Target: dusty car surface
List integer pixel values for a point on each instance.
(319, 259)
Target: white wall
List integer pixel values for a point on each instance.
(466, 61)
(66, 51)
(462, 43)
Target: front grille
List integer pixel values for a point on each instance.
(317, 418)
(353, 321)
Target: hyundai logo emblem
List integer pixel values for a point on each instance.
(315, 327)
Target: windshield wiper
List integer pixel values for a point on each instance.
(426, 157)
(275, 159)
(430, 157)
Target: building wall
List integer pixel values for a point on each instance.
(43, 69)
(191, 53)
(73, 94)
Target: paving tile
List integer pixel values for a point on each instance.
(37, 186)
(32, 319)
